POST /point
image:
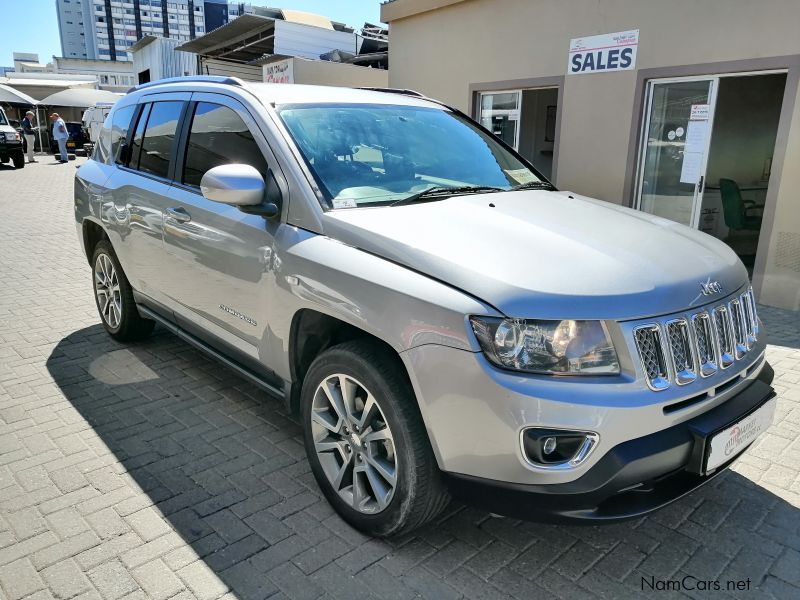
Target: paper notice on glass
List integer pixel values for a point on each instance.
(696, 134)
(699, 112)
(690, 170)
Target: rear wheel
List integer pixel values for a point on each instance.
(366, 442)
(114, 297)
(19, 160)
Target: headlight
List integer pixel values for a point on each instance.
(548, 347)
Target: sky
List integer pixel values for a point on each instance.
(32, 25)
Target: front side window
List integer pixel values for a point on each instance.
(159, 136)
(120, 122)
(365, 154)
(218, 136)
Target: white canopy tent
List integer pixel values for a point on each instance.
(9, 95)
(80, 97)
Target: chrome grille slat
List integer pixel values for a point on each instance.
(722, 325)
(651, 353)
(749, 322)
(706, 345)
(680, 346)
(737, 324)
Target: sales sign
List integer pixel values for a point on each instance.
(606, 52)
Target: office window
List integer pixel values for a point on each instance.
(159, 136)
(218, 136)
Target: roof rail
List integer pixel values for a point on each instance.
(401, 91)
(191, 79)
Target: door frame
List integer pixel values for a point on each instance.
(479, 110)
(534, 83)
(699, 188)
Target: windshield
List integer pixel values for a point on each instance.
(373, 155)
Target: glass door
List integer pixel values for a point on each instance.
(675, 145)
(499, 113)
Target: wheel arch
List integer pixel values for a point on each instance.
(312, 332)
(92, 233)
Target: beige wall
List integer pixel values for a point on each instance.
(451, 45)
(318, 72)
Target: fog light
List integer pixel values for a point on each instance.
(557, 448)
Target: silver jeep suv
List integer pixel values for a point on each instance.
(440, 318)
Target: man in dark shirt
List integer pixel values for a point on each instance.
(29, 132)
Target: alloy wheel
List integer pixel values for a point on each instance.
(354, 443)
(106, 288)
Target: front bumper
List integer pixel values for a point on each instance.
(631, 479)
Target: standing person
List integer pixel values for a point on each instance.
(29, 133)
(60, 134)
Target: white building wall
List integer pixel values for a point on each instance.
(163, 61)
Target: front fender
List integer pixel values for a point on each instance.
(403, 308)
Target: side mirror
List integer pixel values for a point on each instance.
(234, 184)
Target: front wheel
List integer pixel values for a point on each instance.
(366, 441)
(114, 297)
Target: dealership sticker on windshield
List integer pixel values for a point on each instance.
(344, 203)
(730, 442)
(521, 175)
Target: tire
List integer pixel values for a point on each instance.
(394, 441)
(19, 160)
(119, 316)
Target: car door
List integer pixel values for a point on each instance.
(219, 258)
(140, 187)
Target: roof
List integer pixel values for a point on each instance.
(293, 93)
(245, 38)
(145, 40)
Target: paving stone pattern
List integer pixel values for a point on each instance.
(149, 471)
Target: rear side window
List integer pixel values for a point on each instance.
(218, 136)
(159, 137)
(120, 122)
(138, 136)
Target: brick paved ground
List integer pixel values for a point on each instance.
(148, 471)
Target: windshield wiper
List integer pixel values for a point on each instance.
(534, 185)
(444, 191)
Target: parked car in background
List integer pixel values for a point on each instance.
(11, 148)
(76, 140)
(439, 316)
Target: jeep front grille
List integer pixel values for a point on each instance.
(677, 349)
(651, 351)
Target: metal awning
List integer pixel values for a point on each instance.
(244, 39)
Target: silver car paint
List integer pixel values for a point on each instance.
(411, 276)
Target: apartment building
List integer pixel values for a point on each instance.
(106, 29)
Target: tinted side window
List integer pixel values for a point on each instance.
(120, 123)
(138, 136)
(218, 136)
(159, 135)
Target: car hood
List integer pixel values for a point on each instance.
(542, 254)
